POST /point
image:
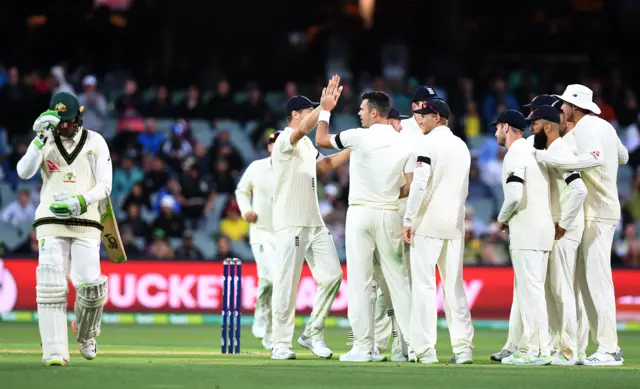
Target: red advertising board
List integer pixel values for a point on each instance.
(196, 287)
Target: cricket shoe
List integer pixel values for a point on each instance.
(581, 358)
(267, 344)
(316, 346)
(350, 342)
(526, 359)
(88, 349)
(399, 357)
(462, 358)
(559, 359)
(55, 360)
(412, 357)
(502, 354)
(377, 356)
(282, 353)
(259, 328)
(429, 358)
(357, 356)
(604, 359)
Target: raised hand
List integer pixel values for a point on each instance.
(331, 94)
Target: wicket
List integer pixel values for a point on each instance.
(231, 305)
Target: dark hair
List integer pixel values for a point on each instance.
(378, 100)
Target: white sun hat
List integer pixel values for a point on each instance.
(580, 96)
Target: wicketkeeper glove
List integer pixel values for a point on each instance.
(44, 125)
(66, 206)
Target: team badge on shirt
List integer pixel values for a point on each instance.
(52, 166)
(69, 178)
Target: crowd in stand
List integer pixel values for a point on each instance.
(169, 184)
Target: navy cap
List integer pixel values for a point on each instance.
(541, 100)
(558, 105)
(545, 112)
(513, 118)
(434, 106)
(424, 93)
(274, 135)
(395, 114)
(299, 102)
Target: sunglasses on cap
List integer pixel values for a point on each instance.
(273, 137)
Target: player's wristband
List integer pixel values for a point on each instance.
(324, 116)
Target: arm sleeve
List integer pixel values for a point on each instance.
(283, 148)
(410, 164)
(30, 162)
(513, 192)
(590, 153)
(346, 139)
(418, 188)
(244, 190)
(576, 198)
(623, 153)
(104, 174)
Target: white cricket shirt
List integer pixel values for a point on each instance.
(411, 133)
(295, 197)
(379, 159)
(530, 225)
(255, 193)
(436, 203)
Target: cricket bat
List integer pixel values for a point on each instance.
(110, 234)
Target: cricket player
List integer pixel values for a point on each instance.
(410, 127)
(380, 172)
(568, 193)
(68, 225)
(255, 196)
(527, 212)
(597, 151)
(433, 225)
(299, 228)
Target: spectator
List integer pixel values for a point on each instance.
(492, 170)
(176, 149)
(138, 227)
(130, 248)
(95, 105)
(223, 248)
(59, 81)
(495, 250)
(160, 248)
(478, 189)
(173, 190)
(188, 251)
(125, 176)
(15, 104)
(156, 174)
(224, 181)
(628, 247)
(171, 223)
(497, 101)
(20, 211)
(160, 107)
(233, 225)
(150, 140)
(192, 107)
(255, 108)
(222, 105)
(196, 192)
(128, 108)
(137, 197)
(470, 122)
(30, 248)
(472, 247)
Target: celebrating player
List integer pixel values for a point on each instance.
(597, 153)
(257, 184)
(300, 230)
(527, 211)
(380, 166)
(435, 231)
(68, 225)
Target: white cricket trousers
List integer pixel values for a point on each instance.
(264, 254)
(376, 232)
(530, 270)
(596, 284)
(292, 246)
(426, 253)
(78, 257)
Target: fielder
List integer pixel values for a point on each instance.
(300, 230)
(597, 153)
(434, 227)
(255, 196)
(568, 194)
(380, 171)
(527, 211)
(68, 225)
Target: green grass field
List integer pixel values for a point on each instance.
(174, 357)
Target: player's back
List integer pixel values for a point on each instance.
(377, 167)
(531, 226)
(441, 215)
(602, 202)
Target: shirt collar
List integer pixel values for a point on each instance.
(440, 128)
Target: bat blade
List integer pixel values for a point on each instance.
(111, 234)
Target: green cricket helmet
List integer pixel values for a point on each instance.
(67, 106)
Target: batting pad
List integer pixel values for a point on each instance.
(90, 300)
(51, 296)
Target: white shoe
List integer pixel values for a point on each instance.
(267, 344)
(356, 356)
(582, 356)
(558, 359)
(377, 356)
(259, 328)
(604, 359)
(502, 354)
(400, 357)
(282, 353)
(429, 358)
(413, 357)
(522, 359)
(462, 358)
(55, 360)
(316, 346)
(89, 349)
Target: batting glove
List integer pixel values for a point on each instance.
(44, 124)
(66, 206)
